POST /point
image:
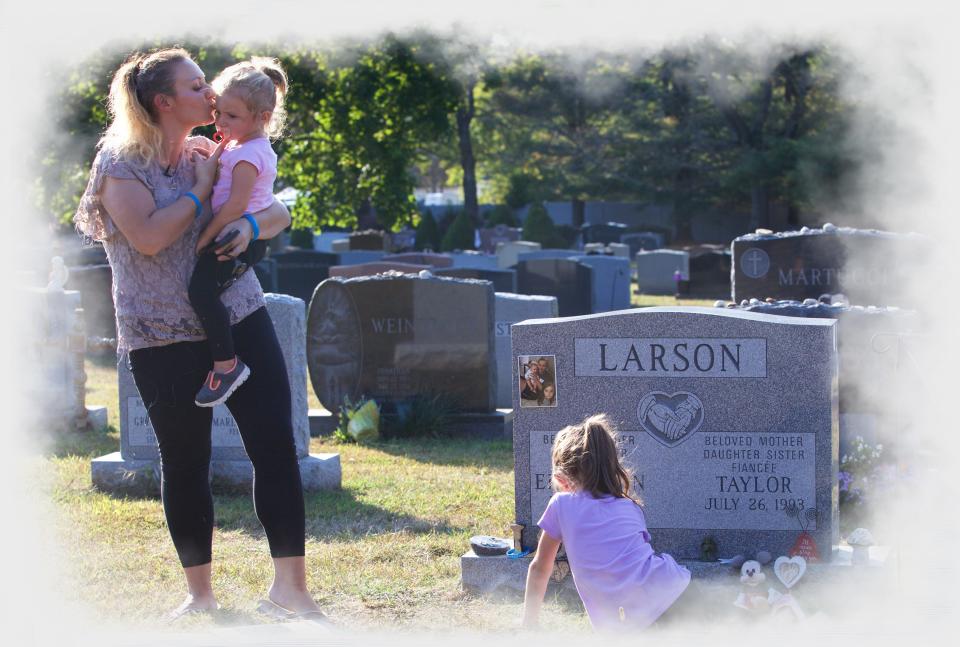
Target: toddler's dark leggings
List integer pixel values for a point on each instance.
(168, 378)
(206, 285)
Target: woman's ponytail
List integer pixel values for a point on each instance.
(132, 131)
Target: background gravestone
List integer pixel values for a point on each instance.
(377, 267)
(138, 442)
(884, 359)
(402, 241)
(610, 289)
(643, 240)
(266, 271)
(511, 308)
(867, 266)
(604, 232)
(490, 236)
(568, 280)
(508, 253)
(418, 258)
(474, 259)
(726, 418)
(95, 285)
(369, 239)
(619, 250)
(299, 272)
(503, 280)
(709, 269)
(655, 270)
(540, 254)
(392, 336)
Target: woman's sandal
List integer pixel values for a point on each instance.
(270, 608)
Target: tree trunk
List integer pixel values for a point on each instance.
(467, 160)
(759, 207)
(579, 208)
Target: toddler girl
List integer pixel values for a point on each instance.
(621, 581)
(249, 110)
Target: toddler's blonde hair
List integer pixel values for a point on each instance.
(261, 84)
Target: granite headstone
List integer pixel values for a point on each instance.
(508, 253)
(603, 232)
(491, 236)
(610, 289)
(300, 272)
(392, 336)
(368, 239)
(655, 270)
(643, 240)
(138, 457)
(377, 267)
(511, 308)
(868, 266)
(420, 258)
(503, 280)
(568, 280)
(95, 285)
(728, 421)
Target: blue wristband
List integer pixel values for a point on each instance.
(196, 201)
(253, 225)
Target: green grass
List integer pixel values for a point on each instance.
(381, 552)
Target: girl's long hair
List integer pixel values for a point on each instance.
(133, 132)
(587, 455)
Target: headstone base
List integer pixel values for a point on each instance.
(496, 425)
(486, 575)
(111, 473)
(322, 422)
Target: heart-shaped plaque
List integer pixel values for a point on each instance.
(789, 570)
(671, 419)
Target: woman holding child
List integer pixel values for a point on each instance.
(148, 201)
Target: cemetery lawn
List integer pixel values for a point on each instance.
(384, 551)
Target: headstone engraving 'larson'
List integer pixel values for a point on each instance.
(728, 421)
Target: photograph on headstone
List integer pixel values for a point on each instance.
(538, 381)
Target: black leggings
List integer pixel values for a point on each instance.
(168, 378)
(209, 279)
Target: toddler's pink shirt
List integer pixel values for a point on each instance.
(259, 153)
(611, 559)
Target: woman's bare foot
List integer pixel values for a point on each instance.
(195, 604)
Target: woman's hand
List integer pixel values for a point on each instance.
(206, 165)
(239, 244)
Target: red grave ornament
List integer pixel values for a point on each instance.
(805, 547)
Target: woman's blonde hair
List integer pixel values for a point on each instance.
(133, 131)
(587, 455)
(261, 84)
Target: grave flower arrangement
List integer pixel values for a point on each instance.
(865, 476)
(359, 421)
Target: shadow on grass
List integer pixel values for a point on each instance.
(330, 515)
(494, 454)
(88, 444)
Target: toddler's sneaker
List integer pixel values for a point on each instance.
(220, 386)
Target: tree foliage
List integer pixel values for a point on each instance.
(359, 130)
(705, 126)
(539, 228)
(460, 234)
